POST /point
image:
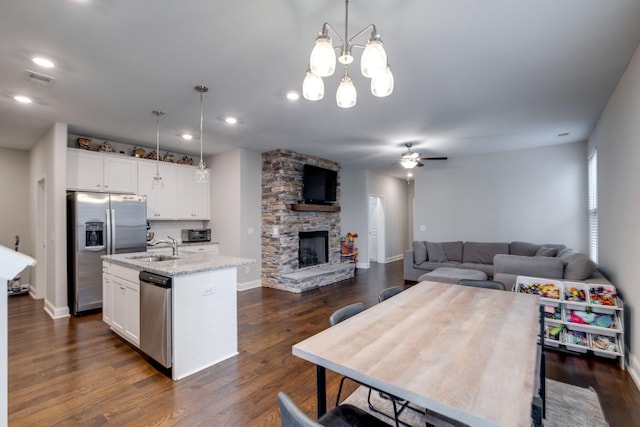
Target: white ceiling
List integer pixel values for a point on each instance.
(470, 76)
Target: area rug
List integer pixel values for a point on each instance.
(567, 405)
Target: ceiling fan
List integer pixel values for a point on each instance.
(411, 159)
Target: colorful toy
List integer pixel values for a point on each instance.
(603, 295)
(545, 290)
(574, 295)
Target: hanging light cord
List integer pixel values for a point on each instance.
(158, 114)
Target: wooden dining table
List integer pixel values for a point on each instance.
(470, 354)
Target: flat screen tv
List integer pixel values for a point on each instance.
(319, 185)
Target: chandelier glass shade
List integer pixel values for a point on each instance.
(408, 163)
(157, 183)
(202, 173)
(322, 63)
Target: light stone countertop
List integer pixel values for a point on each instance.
(185, 263)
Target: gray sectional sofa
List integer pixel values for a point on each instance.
(501, 261)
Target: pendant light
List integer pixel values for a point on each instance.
(202, 173)
(157, 183)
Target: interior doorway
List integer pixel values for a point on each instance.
(376, 229)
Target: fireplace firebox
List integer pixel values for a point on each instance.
(313, 248)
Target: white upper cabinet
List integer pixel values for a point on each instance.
(91, 171)
(193, 197)
(161, 204)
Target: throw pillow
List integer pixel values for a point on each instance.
(436, 252)
(579, 267)
(419, 252)
(545, 251)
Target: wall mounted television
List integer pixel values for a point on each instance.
(319, 185)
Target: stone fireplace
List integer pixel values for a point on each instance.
(285, 219)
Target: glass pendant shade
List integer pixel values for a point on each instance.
(346, 96)
(312, 87)
(382, 85)
(202, 173)
(157, 183)
(408, 163)
(374, 59)
(323, 58)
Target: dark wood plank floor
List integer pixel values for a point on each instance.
(76, 372)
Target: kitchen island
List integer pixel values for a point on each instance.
(201, 308)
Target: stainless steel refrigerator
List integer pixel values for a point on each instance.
(99, 224)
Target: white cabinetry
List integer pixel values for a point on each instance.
(91, 171)
(161, 204)
(193, 197)
(200, 249)
(106, 293)
(125, 303)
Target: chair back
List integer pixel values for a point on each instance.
(388, 293)
(291, 415)
(487, 284)
(345, 312)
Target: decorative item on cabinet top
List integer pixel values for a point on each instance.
(114, 147)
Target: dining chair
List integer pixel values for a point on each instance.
(345, 312)
(342, 415)
(389, 292)
(487, 284)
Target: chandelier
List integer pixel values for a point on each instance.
(322, 63)
(202, 173)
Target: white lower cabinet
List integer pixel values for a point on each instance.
(106, 293)
(125, 303)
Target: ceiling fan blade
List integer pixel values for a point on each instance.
(433, 158)
(419, 164)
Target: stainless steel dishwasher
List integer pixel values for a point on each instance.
(155, 317)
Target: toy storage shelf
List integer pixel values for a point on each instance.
(579, 317)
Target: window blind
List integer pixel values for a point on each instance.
(593, 206)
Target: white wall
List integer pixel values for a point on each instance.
(236, 188)
(14, 217)
(617, 138)
(48, 161)
(355, 189)
(537, 195)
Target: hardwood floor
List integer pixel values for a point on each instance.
(75, 371)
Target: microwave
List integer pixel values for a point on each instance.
(199, 235)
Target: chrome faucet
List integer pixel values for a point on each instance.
(174, 245)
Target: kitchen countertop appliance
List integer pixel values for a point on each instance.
(99, 224)
(196, 235)
(155, 317)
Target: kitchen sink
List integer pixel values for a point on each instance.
(153, 258)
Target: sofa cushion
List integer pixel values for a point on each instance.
(419, 252)
(547, 267)
(483, 253)
(453, 250)
(523, 248)
(578, 266)
(435, 252)
(429, 265)
(546, 251)
(485, 268)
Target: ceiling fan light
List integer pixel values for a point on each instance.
(382, 84)
(346, 95)
(374, 59)
(312, 87)
(408, 163)
(323, 58)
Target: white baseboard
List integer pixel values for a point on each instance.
(55, 312)
(249, 285)
(393, 258)
(363, 265)
(633, 366)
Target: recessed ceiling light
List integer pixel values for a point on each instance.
(293, 96)
(187, 136)
(43, 62)
(231, 120)
(22, 99)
